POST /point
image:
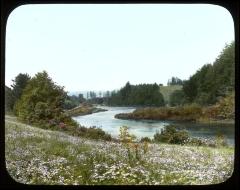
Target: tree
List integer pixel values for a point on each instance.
(125, 92)
(212, 82)
(92, 94)
(108, 94)
(142, 94)
(81, 98)
(41, 100)
(190, 89)
(9, 99)
(88, 95)
(19, 83)
(177, 98)
(174, 81)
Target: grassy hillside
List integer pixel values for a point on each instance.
(168, 90)
(38, 156)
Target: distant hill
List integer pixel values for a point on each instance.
(168, 90)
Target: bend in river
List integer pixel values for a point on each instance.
(147, 128)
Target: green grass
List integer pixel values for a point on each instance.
(38, 156)
(168, 90)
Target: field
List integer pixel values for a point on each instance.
(38, 156)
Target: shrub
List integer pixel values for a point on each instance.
(145, 139)
(195, 142)
(171, 135)
(127, 141)
(220, 140)
(93, 133)
(62, 125)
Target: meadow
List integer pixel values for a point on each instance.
(38, 156)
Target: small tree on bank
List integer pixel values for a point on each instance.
(41, 100)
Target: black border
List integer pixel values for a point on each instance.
(9, 5)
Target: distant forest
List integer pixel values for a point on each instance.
(205, 87)
(209, 84)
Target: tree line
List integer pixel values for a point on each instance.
(137, 95)
(210, 83)
(42, 96)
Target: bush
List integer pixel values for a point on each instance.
(145, 139)
(171, 135)
(41, 101)
(220, 140)
(195, 142)
(93, 133)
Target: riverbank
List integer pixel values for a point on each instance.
(189, 113)
(38, 156)
(129, 116)
(84, 109)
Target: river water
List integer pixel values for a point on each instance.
(146, 128)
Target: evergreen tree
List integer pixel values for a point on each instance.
(41, 100)
(19, 83)
(177, 98)
(9, 99)
(212, 82)
(142, 94)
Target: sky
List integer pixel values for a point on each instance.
(101, 47)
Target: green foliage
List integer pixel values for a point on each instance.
(220, 140)
(19, 83)
(190, 112)
(174, 81)
(171, 135)
(12, 95)
(9, 99)
(127, 141)
(223, 109)
(124, 135)
(93, 133)
(226, 107)
(145, 139)
(212, 82)
(73, 101)
(137, 95)
(41, 100)
(195, 142)
(133, 148)
(177, 98)
(190, 89)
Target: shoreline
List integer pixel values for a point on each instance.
(125, 116)
(84, 110)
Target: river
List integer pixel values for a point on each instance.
(146, 128)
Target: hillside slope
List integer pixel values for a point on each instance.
(38, 156)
